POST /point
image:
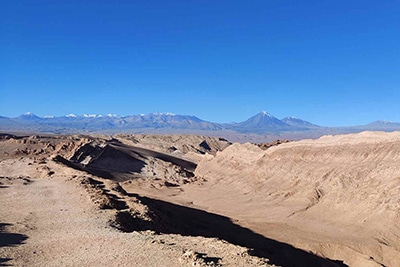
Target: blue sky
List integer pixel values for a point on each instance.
(331, 62)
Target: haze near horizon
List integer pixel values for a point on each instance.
(333, 63)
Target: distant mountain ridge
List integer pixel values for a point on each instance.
(294, 121)
(262, 123)
(110, 122)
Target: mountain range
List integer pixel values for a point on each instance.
(262, 123)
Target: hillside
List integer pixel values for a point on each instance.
(200, 200)
(337, 196)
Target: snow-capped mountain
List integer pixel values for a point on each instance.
(29, 117)
(261, 123)
(71, 115)
(264, 120)
(169, 120)
(109, 122)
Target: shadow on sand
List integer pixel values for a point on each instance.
(9, 240)
(170, 218)
(119, 162)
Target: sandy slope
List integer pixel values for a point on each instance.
(338, 196)
(50, 217)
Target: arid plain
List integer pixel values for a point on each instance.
(185, 200)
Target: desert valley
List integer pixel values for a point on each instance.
(199, 133)
(189, 200)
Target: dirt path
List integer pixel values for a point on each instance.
(53, 222)
(58, 225)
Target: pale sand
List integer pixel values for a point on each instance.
(337, 197)
(54, 220)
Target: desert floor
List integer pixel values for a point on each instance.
(181, 200)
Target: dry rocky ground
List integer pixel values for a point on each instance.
(183, 200)
(57, 214)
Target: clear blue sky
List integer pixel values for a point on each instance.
(331, 62)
